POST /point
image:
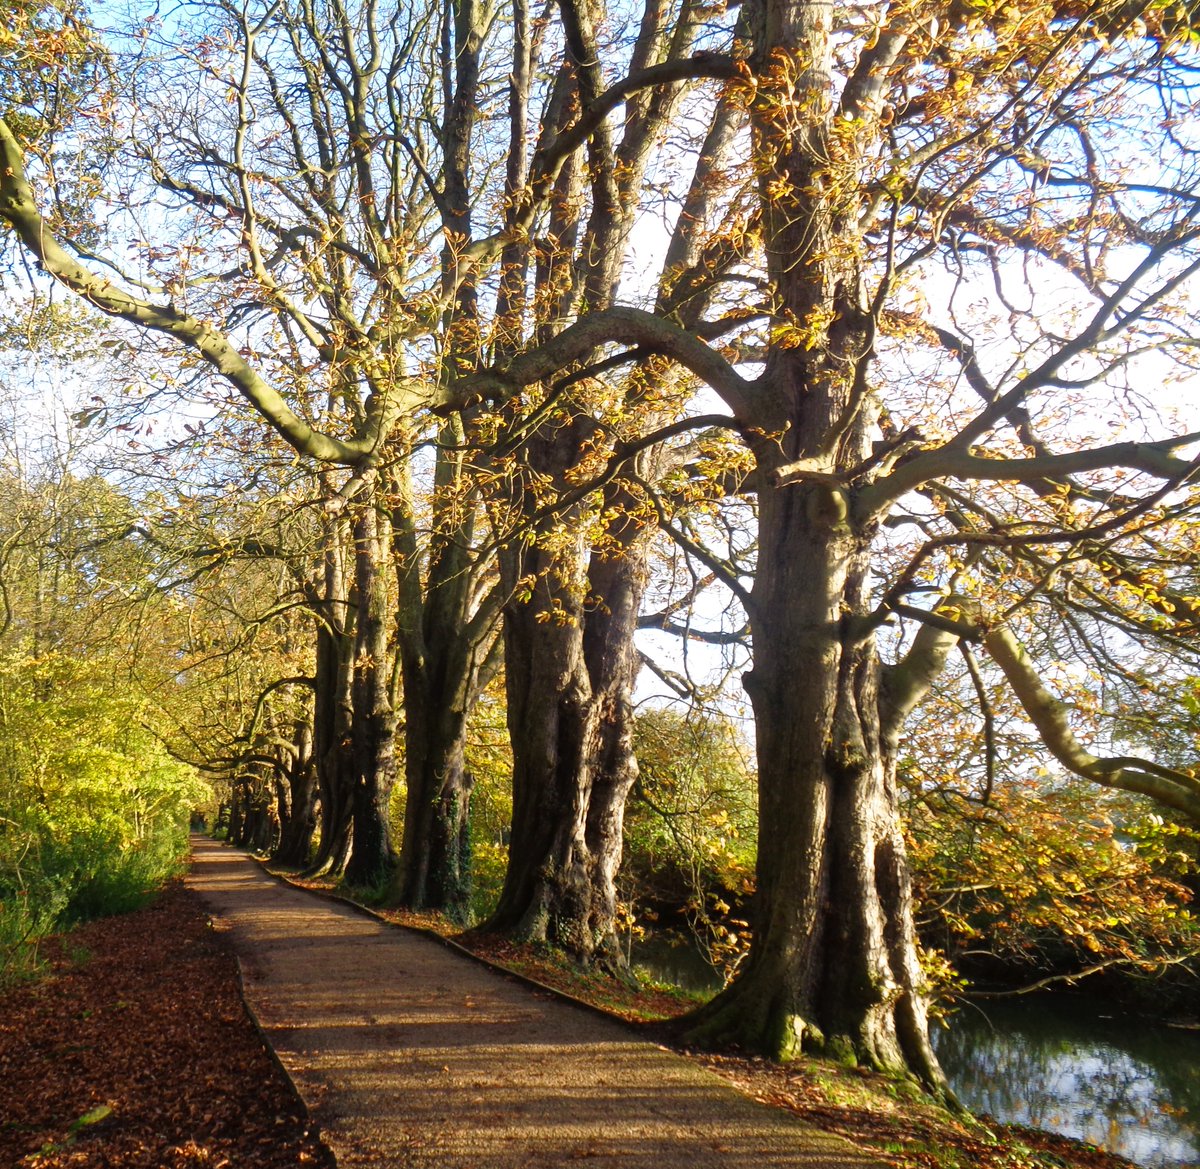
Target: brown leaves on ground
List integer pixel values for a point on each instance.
(138, 1052)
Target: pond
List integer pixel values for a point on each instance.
(1074, 1066)
(1066, 1063)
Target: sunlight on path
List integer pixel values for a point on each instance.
(408, 1054)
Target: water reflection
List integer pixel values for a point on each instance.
(1057, 1063)
(675, 960)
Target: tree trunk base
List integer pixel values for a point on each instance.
(752, 1022)
(757, 1019)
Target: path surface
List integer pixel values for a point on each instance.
(408, 1054)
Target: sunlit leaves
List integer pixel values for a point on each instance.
(1043, 879)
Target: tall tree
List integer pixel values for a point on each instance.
(576, 571)
(869, 163)
(326, 141)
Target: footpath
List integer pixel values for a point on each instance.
(408, 1054)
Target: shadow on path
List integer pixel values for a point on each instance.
(410, 1055)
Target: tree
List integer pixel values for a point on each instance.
(865, 171)
(577, 537)
(900, 445)
(329, 335)
(1045, 884)
(93, 810)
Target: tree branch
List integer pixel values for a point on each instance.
(18, 208)
(621, 323)
(1154, 458)
(906, 682)
(1167, 786)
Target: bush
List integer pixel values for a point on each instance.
(93, 812)
(24, 921)
(691, 828)
(1045, 881)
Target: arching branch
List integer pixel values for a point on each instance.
(18, 209)
(630, 326)
(1167, 786)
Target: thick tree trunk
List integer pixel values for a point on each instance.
(260, 836)
(435, 867)
(833, 965)
(296, 831)
(447, 635)
(333, 712)
(570, 712)
(374, 730)
(237, 812)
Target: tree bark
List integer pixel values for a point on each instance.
(300, 776)
(569, 670)
(833, 964)
(333, 711)
(435, 868)
(374, 726)
(237, 812)
(448, 610)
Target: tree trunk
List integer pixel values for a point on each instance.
(374, 730)
(296, 832)
(333, 714)
(261, 824)
(448, 612)
(570, 714)
(442, 643)
(833, 964)
(237, 812)
(440, 649)
(435, 868)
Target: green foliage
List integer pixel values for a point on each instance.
(93, 813)
(489, 864)
(489, 760)
(691, 826)
(24, 920)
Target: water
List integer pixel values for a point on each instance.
(677, 961)
(1057, 1063)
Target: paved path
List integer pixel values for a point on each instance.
(408, 1054)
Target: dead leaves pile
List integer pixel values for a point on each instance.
(138, 1053)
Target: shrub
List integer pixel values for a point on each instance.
(93, 812)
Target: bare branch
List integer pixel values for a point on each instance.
(621, 323)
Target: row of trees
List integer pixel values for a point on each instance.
(854, 305)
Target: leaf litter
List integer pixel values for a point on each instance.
(136, 1051)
